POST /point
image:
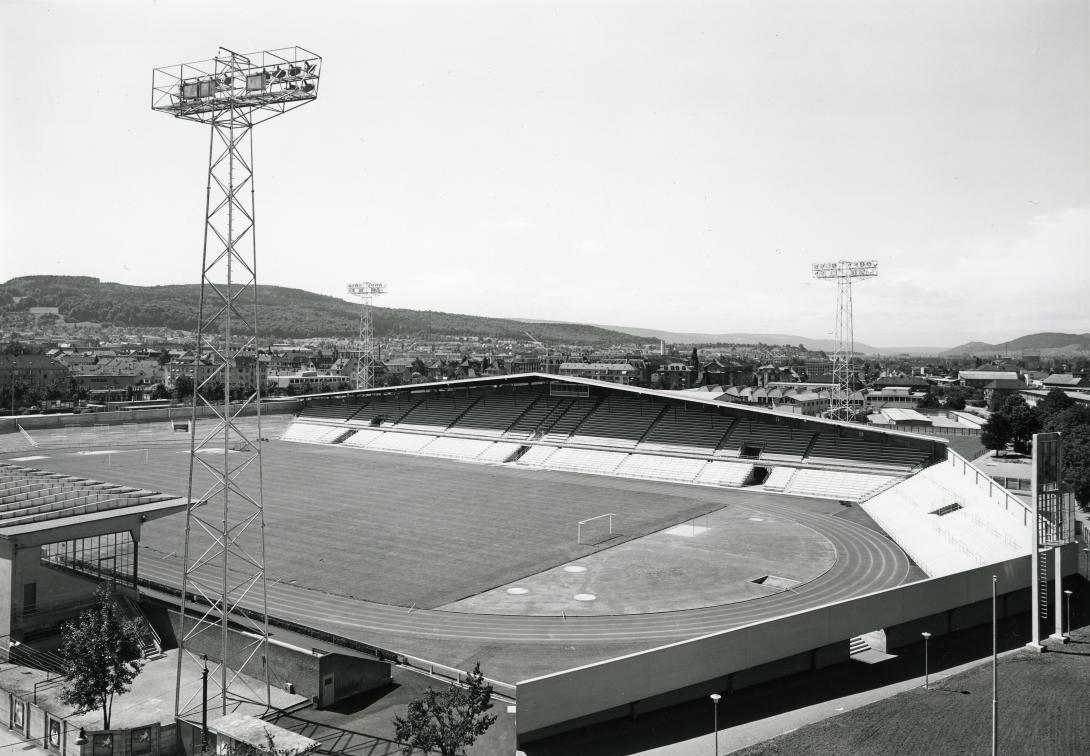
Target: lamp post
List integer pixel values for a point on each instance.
(1086, 561)
(715, 726)
(995, 672)
(926, 636)
(204, 703)
(1067, 610)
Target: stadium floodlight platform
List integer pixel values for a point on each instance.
(224, 562)
(267, 83)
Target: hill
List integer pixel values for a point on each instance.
(1047, 343)
(816, 345)
(282, 312)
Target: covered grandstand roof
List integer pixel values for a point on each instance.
(49, 506)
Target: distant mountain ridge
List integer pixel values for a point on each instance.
(282, 312)
(1048, 343)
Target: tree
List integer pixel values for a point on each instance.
(1024, 423)
(955, 398)
(1076, 446)
(183, 387)
(101, 656)
(160, 392)
(448, 720)
(1055, 401)
(996, 433)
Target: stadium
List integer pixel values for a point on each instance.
(601, 550)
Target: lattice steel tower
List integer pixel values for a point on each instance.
(843, 272)
(366, 354)
(224, 563)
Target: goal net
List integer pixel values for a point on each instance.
(595, 530)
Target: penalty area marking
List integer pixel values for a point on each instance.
(96, 453)
(27, 459)
(575, 568)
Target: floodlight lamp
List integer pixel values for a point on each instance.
(308, 66)
(280, 73)
(294, 70)
(292, 85)
(255, 82)
(308, 87)
(227, 79)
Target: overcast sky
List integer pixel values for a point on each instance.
(665, 164)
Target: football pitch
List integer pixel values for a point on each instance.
(404, 530)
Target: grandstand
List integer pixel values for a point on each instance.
(617, 431)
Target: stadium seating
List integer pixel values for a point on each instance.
(732, 474)
(408, 443)
(330, 412)
(654, 467)
(686, 430)
(312, 433)
(618, 422)
(538, 417)
(834, 484)
(775, 441)
(566, 424)
(390, 409)
(779, 478)
(830, 448)
(495, 413)
(987, 526)
(585, 460)
(500, 451)
(536, 456)
(362, 437)
(435, 413)
(455, 448)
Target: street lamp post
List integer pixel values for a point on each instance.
(204, 704)
(995, 672)
(715, 726)
(1067, 609)
(926, 636)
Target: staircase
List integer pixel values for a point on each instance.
(858, 646)
(150, 643)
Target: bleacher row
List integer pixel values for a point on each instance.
(618, 423)
(29, 495)
(949, 521)
(628, 464)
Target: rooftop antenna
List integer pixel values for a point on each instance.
(366, 354)
(843, 272)
(223, 569)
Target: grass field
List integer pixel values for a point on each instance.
(405, 530)
(1041, 702)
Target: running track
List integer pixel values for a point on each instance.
(865, 562)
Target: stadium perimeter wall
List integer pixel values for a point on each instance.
(762, 651)
(61, 420)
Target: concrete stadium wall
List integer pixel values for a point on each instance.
(761, 651)
(31, 422)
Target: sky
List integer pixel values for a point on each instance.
(670, 164)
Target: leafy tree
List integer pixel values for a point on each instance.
(955, 398)
(997, 432)
(101, 657)
(160, 392)
(1076, 445)
(183, 387)
(1055, 401)
(448, 720)
(1067, 420)
(930, 401)
(1024, 423)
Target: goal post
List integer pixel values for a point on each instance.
(595, 529)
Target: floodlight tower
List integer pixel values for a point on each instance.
(223, 569)
(366, 355)
(843, 272)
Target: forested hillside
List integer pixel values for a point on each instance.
(282, 312)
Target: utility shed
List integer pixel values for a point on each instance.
(263, 736)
